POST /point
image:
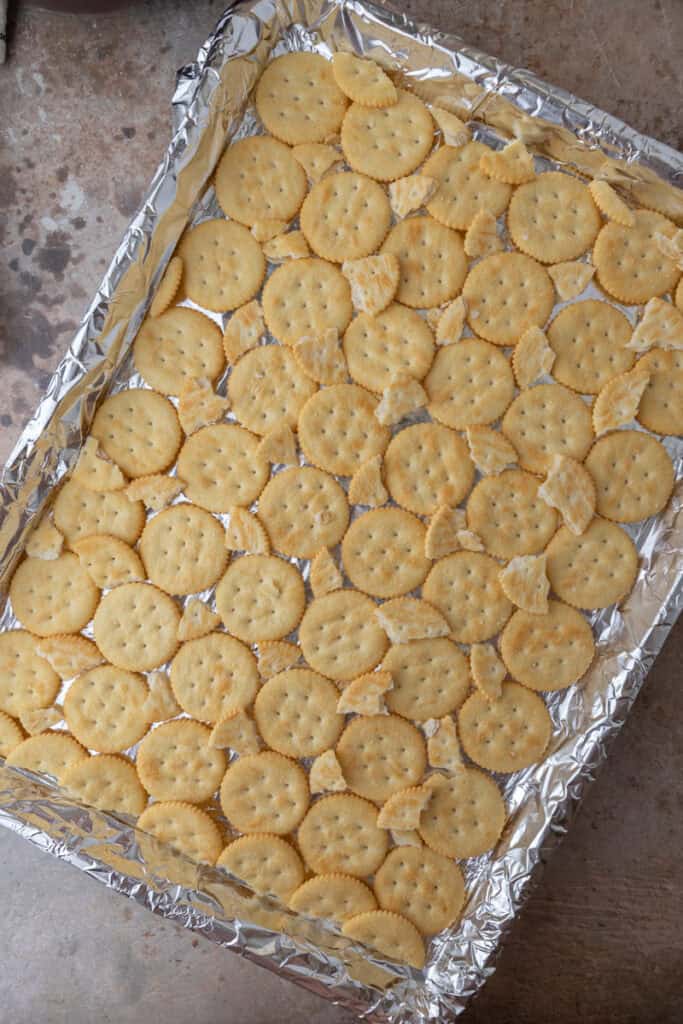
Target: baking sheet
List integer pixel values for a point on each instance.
(210, 106)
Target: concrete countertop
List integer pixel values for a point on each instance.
(86, 119)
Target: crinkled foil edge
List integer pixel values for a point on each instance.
(206, 111)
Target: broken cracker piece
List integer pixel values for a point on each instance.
(326, 774)
(156, 491)
(661, 325)
(481, 237)
(291, 246)
(524, 582)
(402, 396)
(470, 541)
(69, 654)
(411, 193)
(671, 247)
(199, 405)
(454, 131)
(246, 532)
(410, 618)
(571, 278)
(168, 286)
(610, 204)
(488, 670)
(238, 732)
(366, 487)
(243, 331)
(490, 450)
(441, 537)
(269, 227)
(403, 809)
(46, 541)
(322, 357)
(512, 165)
(278, 446)
(451, 322)
(617, 403)
(197, 620)
(275, 656)
(443, 747)
(96, 472)
(362, 80)
(365, 695)
(570, 489)
(37, 720)
(109, 561)
(160, 704)
(532, 357)
(405, 838)
(374, 281)
(325, 576)
(316, 158)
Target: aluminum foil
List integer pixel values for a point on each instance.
(211, 106)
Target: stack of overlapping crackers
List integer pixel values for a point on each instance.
(292, 614)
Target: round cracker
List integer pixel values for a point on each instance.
(265, 792)
(340, 636)
(176, 762)
(50, 753)
(549, 651)
(27, 681)
(553, 218)
(139, 430)
(427, 465)
(335, 897)
(80, 512)
(431, 678)
(380, 755)
(338, 429)
(183, 549)
(265, 862)
(221, 467)
(179, 346)
(383, 552)
(136, 627)
(257, 178)
(633, 475)
(296, 713)
(463, 188)
(469, 384)
(505, 734)
(261, 597)
(390, 934)
(55, 596)
(224, 265)
(304, 298)
(465, 815)
(109, 782)
(345, 216)
(628, 261)
(548, 420)
(340, 834)
(506, 294)
(661, 406)
(214, 675)
(104, 709)
(390, 142)
(594, 570)
(432, 258)
(509, 516)
(589, 340)
(189, 830)
(303, 509)
(298, 99)
(108, 560)
(422, 885)
(465, 589)
(377, 348)
(363, 81)
(267, 387)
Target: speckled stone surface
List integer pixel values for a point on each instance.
(86, 119)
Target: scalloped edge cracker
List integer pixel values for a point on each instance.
(278, 446)
(512, 165)
(275, 656)
(236, 731)
(618, 402)
(363, 80)
(199, 405)
(365, 695)
(404, 395)
(168, 287)
(532, 357)
(451, 322)
(661, 326)
(453, 130)
(290, 246)
(410, 618)
(366, 486)
(268, 227)
(411, 193)
(443, 747)
(246, 532)
(488, 670)
(374, 281)
(402, 810)
(326, 775)
(109, 561)
(610, 204)
(197, 620)
(46, 541)
(321, 357)
(441, 537)
(324, 574)
(155, 491)
(524, 581)
(243, 331)
(481, 237)
(490, 450)
(571, 278)
(94, 471)
(570, 489)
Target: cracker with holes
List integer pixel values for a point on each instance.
(345, 216)
(363, 81)
(381, 754)
(261, 597)
(55, 596)
(507, 734)
(335, 897)
(610, 203)
(278, 446)
(245, 532)
(139, 431)
(268, 387)
(402, 810)
(325, 775)
(485, 611)
(525, 583)
(136, 626)
(108, 782)
(629, 265)
(633, 475)
(549, 651)
(321, 358)
(109, 561)
(469, 384)
(176, 762)
(388, 933)
(236, 731)
(183, 549)
(373, 280)
(432, 259)
(488, 671)
(97, 473)
(304, 298)
(338, 429)
(199, 405)
(50, 753)
(402, 395)
(661, 325)
(224, 265)
(389, 142)
(411, 193)
(571, 278)
(168, 287)
(79, 512)
(425, 887)
(27, 679)
(189, 830)
(290, 246)
(506, 294)
(427, 466)
(265, 792)
(296, 713)
(513, 164)
(275, 656)
(366, 695)
(464, 190)
(243, 331)
(221, 467)
(366, 486)
(259, 178)
(408, 618)
(532, 357)
(465, 816)
(661, 405)
(316, 158)
(442, 536)
(176, 348)
(214, 675)
(267, 863)
(553, 218)
(340, 636)
(590, 341)
(593, 570)
(618, 402)
(103, 709)
(398, 340)
(340, 834)
(545, 421)
(155, 491)
(490, 451)
(383, 552)
(324, 576)
(298, 99)
(303, 509)
(46, 541)
(509, 516)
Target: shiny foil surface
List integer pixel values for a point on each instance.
(211, 106)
